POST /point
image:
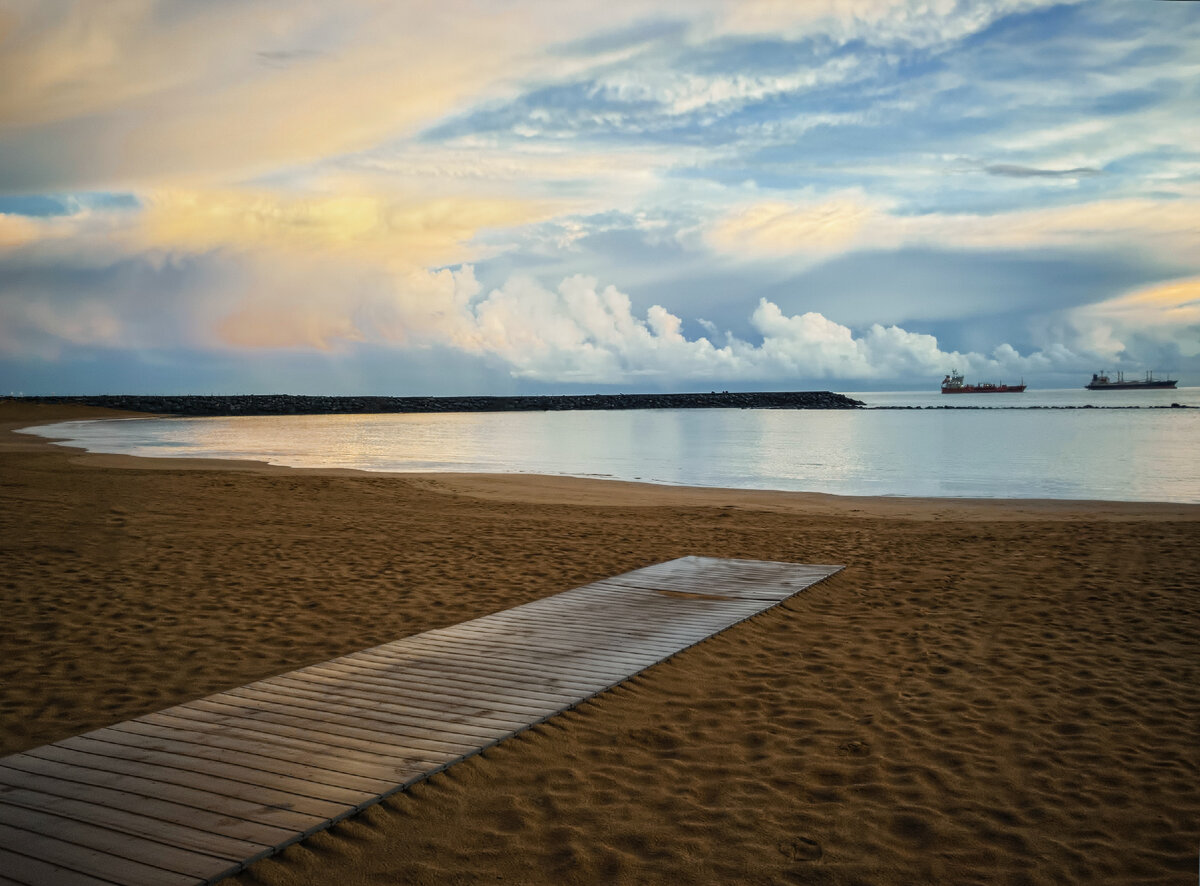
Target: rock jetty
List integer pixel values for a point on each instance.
(293, 404)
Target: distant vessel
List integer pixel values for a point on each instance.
(953, 384)
(1101, 382)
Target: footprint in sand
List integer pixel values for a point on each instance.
(854, 748)
(801, 849)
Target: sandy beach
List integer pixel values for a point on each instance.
(989, 692)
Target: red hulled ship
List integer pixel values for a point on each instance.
(953, 384)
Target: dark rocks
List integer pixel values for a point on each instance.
(292, 404)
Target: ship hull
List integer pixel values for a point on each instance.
(997, 389)
(1132, 385)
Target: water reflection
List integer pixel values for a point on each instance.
(1146, 455)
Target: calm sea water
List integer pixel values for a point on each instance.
(1129, 454)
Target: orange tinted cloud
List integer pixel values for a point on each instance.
(395, 232)
(780, 228)
(136, 92)
(851, 221)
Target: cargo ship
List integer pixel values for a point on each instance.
(953, 384)
(1101, 382)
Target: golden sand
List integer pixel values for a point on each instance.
(990, 692)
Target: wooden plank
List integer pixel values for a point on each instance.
(149, 788)
(88, 861)
(703, 599)
(457, 718)
(767, 574)
(542, 687)
(501, 702)
(618, 624)
(399, 761)
(603, 636)
(620, 620)
(735, 577)
(375, 716)
(35, 871)
(452, 678)
(328, 722)
(646, 614)
(571, 686)
(211, 784)
(659, 643)
(57, 785)
(467, 661)
(575, 666)
(537, 688)
(629, 620)
(372, 741)
(200, 747)
(585, 645)
(155, 827)
(193, 792)
(335, 757)
(121, 844)
(368, 703)
(572, 661)
(692, 599)
(642, 626)
(492, 703)
(716, 593)
(109, 743)
(638, 630)
(530, 642)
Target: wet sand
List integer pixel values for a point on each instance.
(990, 692)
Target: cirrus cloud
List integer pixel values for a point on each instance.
(842, 222)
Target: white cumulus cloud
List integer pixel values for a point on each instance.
(581, 332)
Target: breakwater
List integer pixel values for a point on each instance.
(293, 404)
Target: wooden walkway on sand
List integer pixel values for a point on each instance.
(196, 792)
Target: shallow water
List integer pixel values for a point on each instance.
(1103, 454)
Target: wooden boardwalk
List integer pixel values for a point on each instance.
(196, 792)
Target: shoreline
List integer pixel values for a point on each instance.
(990, 691)
(561, 489)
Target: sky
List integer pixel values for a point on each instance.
(502, 196)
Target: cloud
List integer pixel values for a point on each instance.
(397, 231)
(1165, 317)
(282, 58)
(669, 93)
(326, 307)
(49, 309)
(848, 221)
(137, 93)
(245, 270)
(1011, 170)
(18, 230)
(918, 23)
(775, 227)
(582, 333)
(319, 179)
(255, 270)
(156, 93)
(329, 300)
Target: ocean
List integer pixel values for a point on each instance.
(1046, 444)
